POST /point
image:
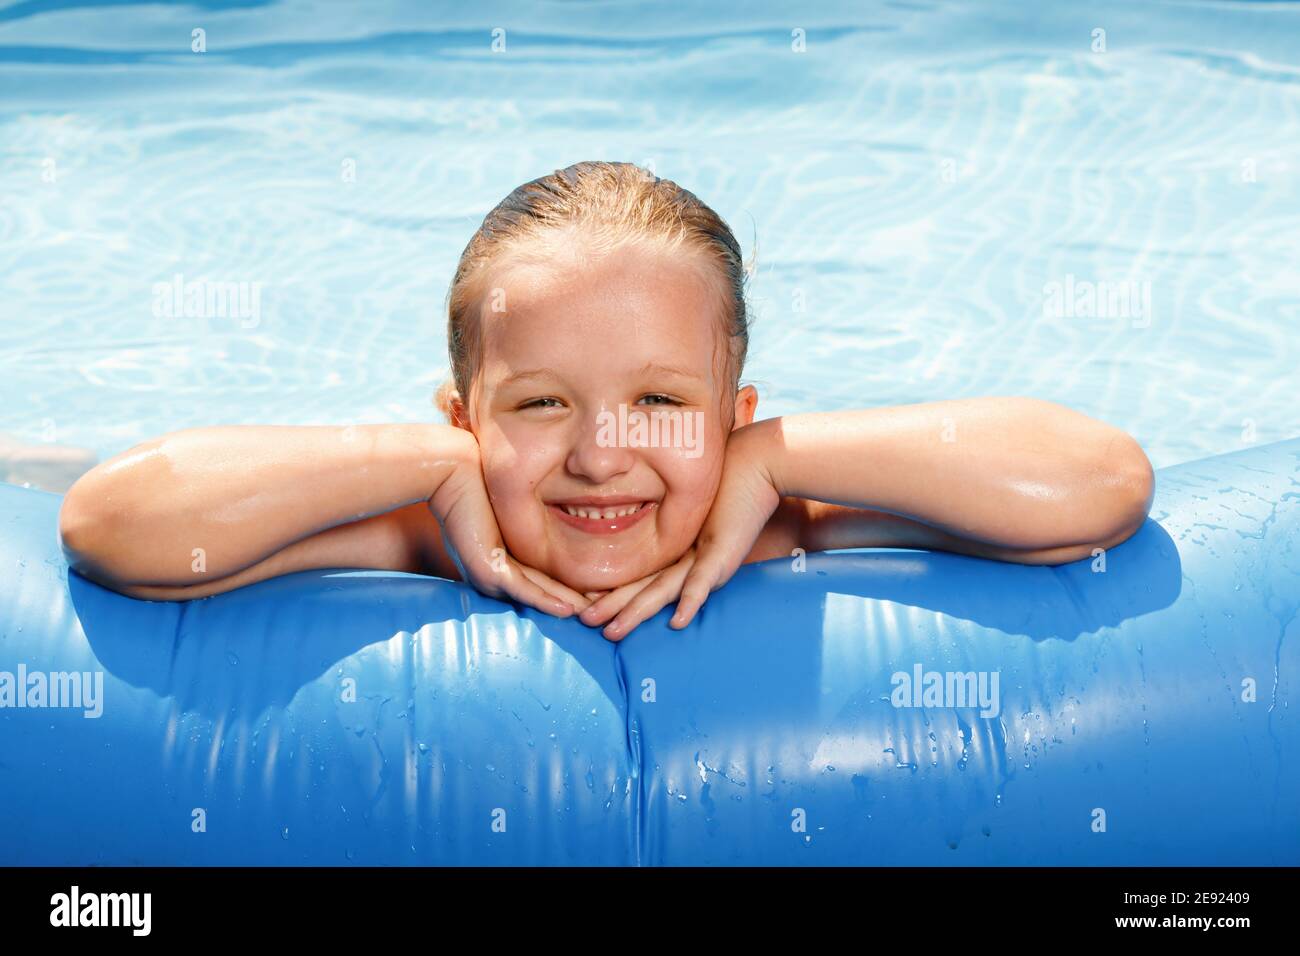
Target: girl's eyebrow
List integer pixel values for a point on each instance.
(527, 375)
(650, 368)
(658, 368)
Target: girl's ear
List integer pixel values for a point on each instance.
(746, 404)
(450, 404)
(457, 411)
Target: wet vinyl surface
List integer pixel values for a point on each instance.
(342, 718)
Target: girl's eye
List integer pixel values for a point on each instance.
(662, 400)
(538, 403)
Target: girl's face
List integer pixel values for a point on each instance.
(581, 351)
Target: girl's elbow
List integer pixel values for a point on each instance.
(1108, 513)
(1133, 484)
(80, 532)
(86, 536)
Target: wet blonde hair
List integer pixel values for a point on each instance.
(611, 203)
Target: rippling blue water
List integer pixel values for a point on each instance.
(921, 181)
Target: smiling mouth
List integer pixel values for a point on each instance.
(602, 520)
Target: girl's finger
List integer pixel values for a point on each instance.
(698, 586)
(604, 608)
(648, 603)
(614, 601)
(521, 588)
(555, 588)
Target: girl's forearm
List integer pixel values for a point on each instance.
(828, 527)
(204, 503)
(1013, 473)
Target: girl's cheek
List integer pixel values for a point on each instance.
(690, 474)
(690, 486)
(512, 477)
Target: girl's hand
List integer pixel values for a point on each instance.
(746, 499)
(474, 543)
(635, 602)
(744, 503)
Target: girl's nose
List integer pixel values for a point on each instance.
(597, 453)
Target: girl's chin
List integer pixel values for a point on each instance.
(584, 576)
(588, 578)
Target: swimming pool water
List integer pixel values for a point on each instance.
(935, 191)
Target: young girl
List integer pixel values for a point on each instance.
(593, 306)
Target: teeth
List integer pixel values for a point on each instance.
(597, 513)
